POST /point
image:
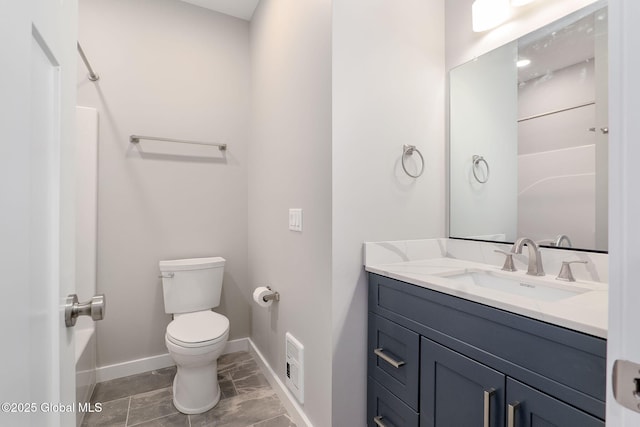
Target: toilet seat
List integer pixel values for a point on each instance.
(199, 329)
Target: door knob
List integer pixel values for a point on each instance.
(95, 308)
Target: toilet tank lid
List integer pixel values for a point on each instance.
(191, 264)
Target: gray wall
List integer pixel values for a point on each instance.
(388, 90)
(173, 70)
(290, 167)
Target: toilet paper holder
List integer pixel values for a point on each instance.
(272, 296)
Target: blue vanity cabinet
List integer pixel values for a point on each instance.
(458, 391)
(530, 408)
(393, 374)
(394, 359)
(463, 362)
(384, 409)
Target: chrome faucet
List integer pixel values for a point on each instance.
(560, 238)
(557, 242)
(535, 259)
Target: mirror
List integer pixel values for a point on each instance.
(528, 137)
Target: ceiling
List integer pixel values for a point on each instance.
(242, 9)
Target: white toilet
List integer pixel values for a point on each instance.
(196, 336)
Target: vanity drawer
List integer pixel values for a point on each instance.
(564, 363)
(394, 358)
(387, 409)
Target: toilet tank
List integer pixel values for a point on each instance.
(193, 284)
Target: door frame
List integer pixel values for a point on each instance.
(624, 196)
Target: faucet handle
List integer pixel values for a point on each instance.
(565, 271)
(508, 262)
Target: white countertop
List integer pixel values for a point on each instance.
(585, 312)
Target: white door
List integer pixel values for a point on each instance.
(37, 108)
(624, 214)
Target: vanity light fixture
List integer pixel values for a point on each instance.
(487, 14)
(523, 63)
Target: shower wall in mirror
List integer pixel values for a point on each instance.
(529, 137)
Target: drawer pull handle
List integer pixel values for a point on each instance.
(487, 405)
(380, 353)
(511, 414)
(378, 421)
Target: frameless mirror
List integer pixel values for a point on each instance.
(529, 137)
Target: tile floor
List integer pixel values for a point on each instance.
(145, 399)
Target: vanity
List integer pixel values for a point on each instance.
(446, 348)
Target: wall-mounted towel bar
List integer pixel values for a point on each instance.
(134, 139)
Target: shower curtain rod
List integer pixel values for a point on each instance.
(92, 76)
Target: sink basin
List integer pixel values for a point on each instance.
(534, 289)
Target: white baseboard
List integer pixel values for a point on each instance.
(241, 344)
(288, 400)
(133, 367)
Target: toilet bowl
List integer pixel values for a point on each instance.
(196, 336)
(195, 341)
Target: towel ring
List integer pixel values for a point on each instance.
(476, 161)
(408, 150)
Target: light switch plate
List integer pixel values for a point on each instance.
(295, 219)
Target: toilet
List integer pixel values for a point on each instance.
(196, 336)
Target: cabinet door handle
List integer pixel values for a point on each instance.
(380, 353)
(487, 405)
(511, 414)
(378, 421)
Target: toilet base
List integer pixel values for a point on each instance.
(193, 411)
(195, 388)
